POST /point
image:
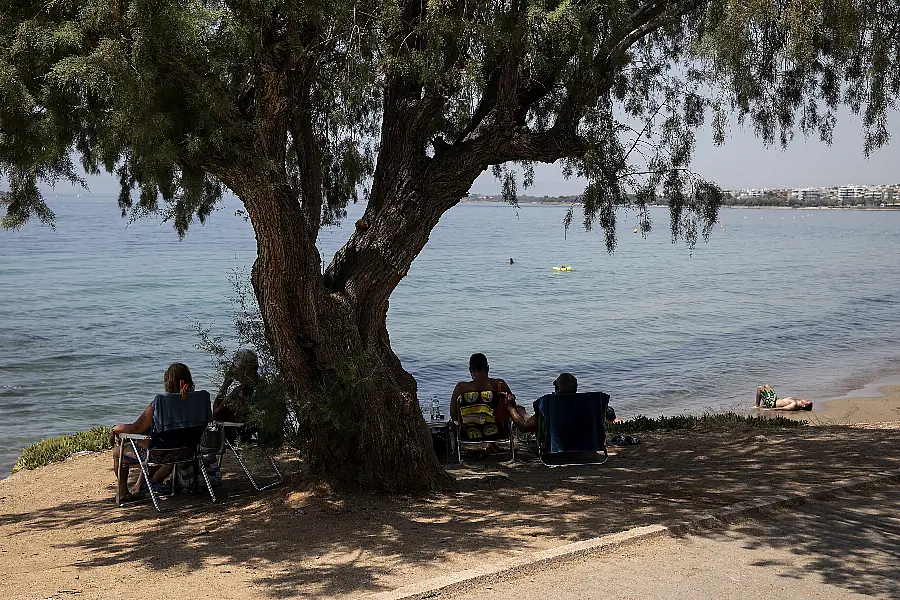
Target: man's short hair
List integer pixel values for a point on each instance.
(566, 384)
(478, 363)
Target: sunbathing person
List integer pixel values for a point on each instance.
(564, 384)
(232, 406)
(177, 379)
(481, 390)
(768, 400)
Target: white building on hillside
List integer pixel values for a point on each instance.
(807, 195)
(851, 194)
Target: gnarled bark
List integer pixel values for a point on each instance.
(358, 405)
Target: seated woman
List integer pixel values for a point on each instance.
(480, 391)
(564, 384)
(177, 379)
(768, 400)
(232, 406)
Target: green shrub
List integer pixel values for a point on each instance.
(60, 448)
(707, 422)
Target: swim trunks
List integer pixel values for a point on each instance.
(768, 398)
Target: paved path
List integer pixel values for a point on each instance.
(837, 549)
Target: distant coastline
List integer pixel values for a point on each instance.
(573, 201)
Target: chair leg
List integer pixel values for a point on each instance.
(119, 470)
(256, 486)
(202, 467)
(146, 472)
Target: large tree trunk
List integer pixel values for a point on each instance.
(358, 405)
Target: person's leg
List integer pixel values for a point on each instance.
(759, 390)
(116, 450)
(127, 459)
(161, 473)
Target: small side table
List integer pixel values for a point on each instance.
(441, 429)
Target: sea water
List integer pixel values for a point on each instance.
(93, 312)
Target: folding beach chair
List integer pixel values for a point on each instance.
(216, 442)
(178, 424)
(572, 429)
(478, 424)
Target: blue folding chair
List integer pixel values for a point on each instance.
(572, 426)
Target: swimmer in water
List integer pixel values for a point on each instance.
(511, 262)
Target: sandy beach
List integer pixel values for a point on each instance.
(62, 536)
(877, 402)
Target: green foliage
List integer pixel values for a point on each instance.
(57, 449)
(269, 411)
(183, 99)
(706, 422)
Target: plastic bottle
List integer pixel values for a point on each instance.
(435, 409)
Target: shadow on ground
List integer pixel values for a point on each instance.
(291, 542)
(852, 541)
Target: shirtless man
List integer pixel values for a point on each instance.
(766, 399)
(478, 369)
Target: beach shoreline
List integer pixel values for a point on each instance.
(876, 402)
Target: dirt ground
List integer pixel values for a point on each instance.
(62, 537)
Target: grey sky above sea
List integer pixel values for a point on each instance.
(743, 162)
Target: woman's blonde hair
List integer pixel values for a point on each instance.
(178, 379)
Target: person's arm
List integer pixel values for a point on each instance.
(224, 408)
(454, 406)
(223, 392)
(758, 394)
(518, 415)
(141, 425)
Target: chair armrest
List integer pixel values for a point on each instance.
(133, 436)
(229, 424)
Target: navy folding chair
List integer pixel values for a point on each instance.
(174, 438)
(572, 429)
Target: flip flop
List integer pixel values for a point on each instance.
(129, 498)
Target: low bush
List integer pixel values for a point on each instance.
(707, 422)
(60, 448)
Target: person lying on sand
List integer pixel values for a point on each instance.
(564, 384)
(177, 379)
(767, 399)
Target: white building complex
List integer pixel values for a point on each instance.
(807, 195)
(852, 194)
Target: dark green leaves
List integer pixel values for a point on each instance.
(183, 99)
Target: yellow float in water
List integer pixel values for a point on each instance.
(562, 268)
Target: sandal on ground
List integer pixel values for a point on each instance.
(623, 440)
(129, 498)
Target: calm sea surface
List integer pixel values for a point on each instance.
(809, 301)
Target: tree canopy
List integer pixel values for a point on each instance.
(168, 95)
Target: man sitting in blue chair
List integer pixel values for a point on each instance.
(569, 426)
(564, 384)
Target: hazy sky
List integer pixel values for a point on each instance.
(742, 162)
